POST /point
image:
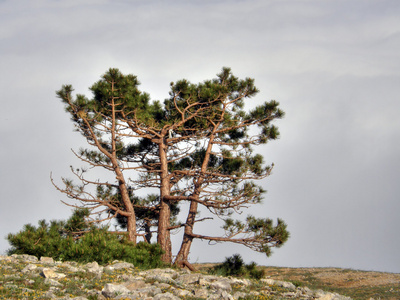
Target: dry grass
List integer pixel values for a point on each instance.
(353, 283)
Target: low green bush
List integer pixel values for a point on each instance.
(75, 240)
(235, 266)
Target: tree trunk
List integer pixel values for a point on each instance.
(131, 222)
(163, 233)
(183, 254)
(131, 219)
(131, 227)
(147, 230)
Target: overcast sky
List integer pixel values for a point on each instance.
(332, 64)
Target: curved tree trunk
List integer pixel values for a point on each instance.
(183, 254)
(131, 219)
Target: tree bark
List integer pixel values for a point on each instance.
(131, 219)
(163, 233)
(182, 257)
(147, 230)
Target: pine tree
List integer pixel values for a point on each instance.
(220, 170)
(197, 147)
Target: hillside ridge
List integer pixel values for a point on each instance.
(27, 277)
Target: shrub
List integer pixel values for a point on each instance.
(253, 271)
(235, 266)
(75, 240)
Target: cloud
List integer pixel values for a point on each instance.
(333, 66)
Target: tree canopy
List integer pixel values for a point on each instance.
(195, 147)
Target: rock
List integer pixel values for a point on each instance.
(134, 285)
(289, 295)
(112, 290)
(241, 281)
(165, 296)
(70, 267)
(284, 284)
(50, 295)
(52, 282)
(49, 273)
(268, 281)
(304, 290)
(327, 297)
(130, 296)
(203, 282)
(187, 279)
(238, 295)
(331, 296)
(119, 266)
(287, 285)
(93, 267)
(162, 285)
(181, 292)
(223, 295)
(222, 285)
(46, 260)
(54, 289)
(25, 257)
(164, 277)
(155, 272)
(201, 293)
(149, 291)
(29, 268)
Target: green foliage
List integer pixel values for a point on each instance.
(261, 233)
(66, 241)
(253, 271)
(235, 266)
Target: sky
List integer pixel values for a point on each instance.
(333, 65)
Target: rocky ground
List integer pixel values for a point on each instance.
(26, 277)
(356, 284)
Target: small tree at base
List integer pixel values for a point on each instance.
(77, 240)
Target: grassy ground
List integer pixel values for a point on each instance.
(353, 283)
